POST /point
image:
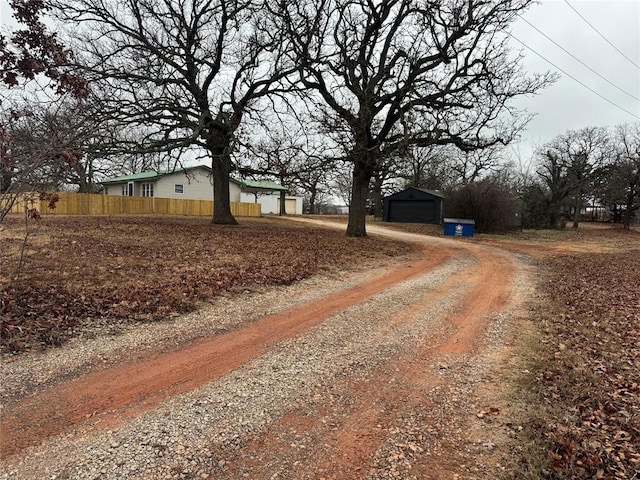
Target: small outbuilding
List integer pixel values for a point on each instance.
(413, 205)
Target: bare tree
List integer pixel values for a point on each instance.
(489, 201)
(425, 167)
(341, 183)
(394, 73)
(38, 152)
(570, 163)
(54, 144)
(287, 151)
(622, 182)
(447, 167)
(184, 72)
(470, 166)
(27, 52)
(384, 175)
(553, 171)
(313, 181)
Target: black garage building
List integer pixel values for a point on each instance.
(413, 205)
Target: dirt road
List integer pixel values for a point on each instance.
(387, 376)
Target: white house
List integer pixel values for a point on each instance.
(196, 183)
(191, 183)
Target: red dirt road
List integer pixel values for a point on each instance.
(143, 384)
(346, 436)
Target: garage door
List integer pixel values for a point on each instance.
(412, 211)
(289, 206)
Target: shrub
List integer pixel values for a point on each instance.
(489, 204)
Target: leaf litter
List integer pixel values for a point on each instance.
(591, 376)
(79, 269)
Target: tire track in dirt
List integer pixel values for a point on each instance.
(345, 433)
(118, 393)
(492, 282)
(348, 433)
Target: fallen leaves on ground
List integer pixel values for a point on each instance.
(76, 269)
(590, 379)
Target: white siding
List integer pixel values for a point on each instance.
(113, 189)
(116, 188)
(234, 192)
(197, 185)
(270, 202)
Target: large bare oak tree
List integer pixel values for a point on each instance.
(393, 73)
(184, 71)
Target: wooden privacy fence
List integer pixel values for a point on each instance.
(96, 204)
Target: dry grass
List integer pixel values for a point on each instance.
(576, 383)
(418, 228)
(575, 396)
(78, 269)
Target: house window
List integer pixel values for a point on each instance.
(147, 189)
(178, 188)
(127, 190)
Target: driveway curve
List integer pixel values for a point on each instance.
(370, 378)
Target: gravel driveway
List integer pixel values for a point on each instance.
(391, 371)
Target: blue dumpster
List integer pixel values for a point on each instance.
(459, 227)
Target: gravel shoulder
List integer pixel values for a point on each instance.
(402, 383)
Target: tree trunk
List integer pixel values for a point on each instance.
(628, 214)
(576, 214)
(283, 203)
(218, 142)
(5, 179)
(362, 173)
(221, 204)
(377, 196)
(554, 214)
(417, 177)
(312, 201)
(83, 181)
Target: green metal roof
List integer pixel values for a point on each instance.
(247, 185)
(133, 178)
(136, 177)
(266, 185)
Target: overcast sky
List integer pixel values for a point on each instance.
(567, 105)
